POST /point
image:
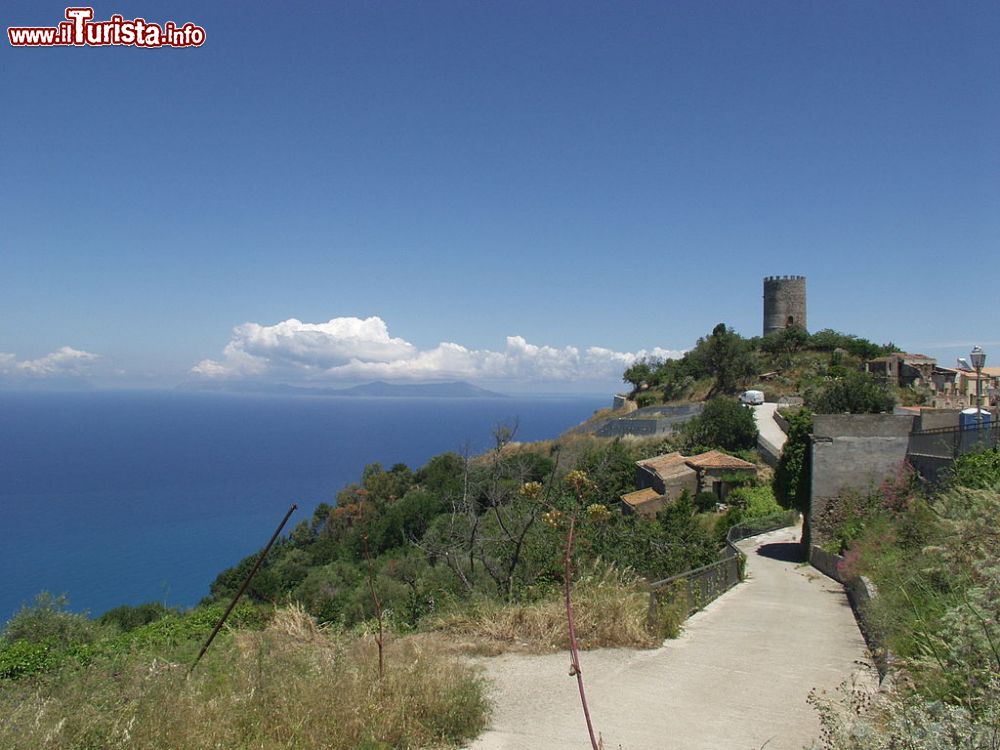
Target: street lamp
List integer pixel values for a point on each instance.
(978, 358)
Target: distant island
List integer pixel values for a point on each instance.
(376, 389)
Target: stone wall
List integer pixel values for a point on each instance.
(854, 452)
(639, 427)
(649, 421)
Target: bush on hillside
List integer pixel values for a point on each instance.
(979, 470)
(48, 620)
(127, 617)
(724, 423)
(857, 393)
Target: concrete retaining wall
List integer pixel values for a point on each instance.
(825, 562)
(648, 421)
(768, 451)
(860, 593)
(854, 452)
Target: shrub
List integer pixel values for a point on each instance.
(48, 620)
(857, 393)
(706, 501)
(754, 502)
(127, 618)
(980, 470)
(648, 398)
(22, 658)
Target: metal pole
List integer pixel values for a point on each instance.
(246, 582)
(979, 397)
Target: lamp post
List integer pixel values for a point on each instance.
(978, 358)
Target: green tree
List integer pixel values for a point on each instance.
(791, 478)
(725, 356)
(724, 423)
(640, 373)
(786, 341)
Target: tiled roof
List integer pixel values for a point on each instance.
(639, 497)
(663, 465)
(717, 460)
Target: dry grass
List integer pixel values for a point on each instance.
(610, 607)
(289, 686)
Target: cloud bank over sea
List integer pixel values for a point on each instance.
(65, 362)
(350, 349)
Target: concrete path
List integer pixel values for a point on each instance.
(736, 678)
(772, 438)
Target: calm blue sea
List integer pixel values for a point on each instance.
(128, 497)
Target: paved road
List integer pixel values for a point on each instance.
(772, 436)
(735, 679)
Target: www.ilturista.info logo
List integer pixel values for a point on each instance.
(80, 30)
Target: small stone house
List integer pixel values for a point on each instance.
(662, 479)
(716, 472)
(645, 502)
(668, 474)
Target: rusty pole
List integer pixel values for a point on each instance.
(243, 588)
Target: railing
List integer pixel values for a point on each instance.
(952, 442)
(694, 589)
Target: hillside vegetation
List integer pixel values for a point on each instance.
(932, 554)
(825, 367)
(463, 555)
(280, 685)
(374, 598)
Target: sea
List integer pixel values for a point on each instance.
(135, 496)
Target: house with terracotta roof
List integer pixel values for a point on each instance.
(661, 479)
(719, 472)
(664, 473)
(645, 502)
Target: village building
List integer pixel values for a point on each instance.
(646, 502)
(719, 472)
(668, 474)
(902, 369)
(662, 479)
(955, 388)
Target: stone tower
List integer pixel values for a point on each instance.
(784, 302)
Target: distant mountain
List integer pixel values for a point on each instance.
(459, 389)
(378, 389)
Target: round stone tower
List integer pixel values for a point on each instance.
(784, 302)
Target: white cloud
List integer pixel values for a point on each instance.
(65, 361)
(354, 349)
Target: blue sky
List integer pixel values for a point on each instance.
(546, 188)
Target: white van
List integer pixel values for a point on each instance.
(752, 398)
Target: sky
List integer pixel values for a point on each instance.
(526, 195)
